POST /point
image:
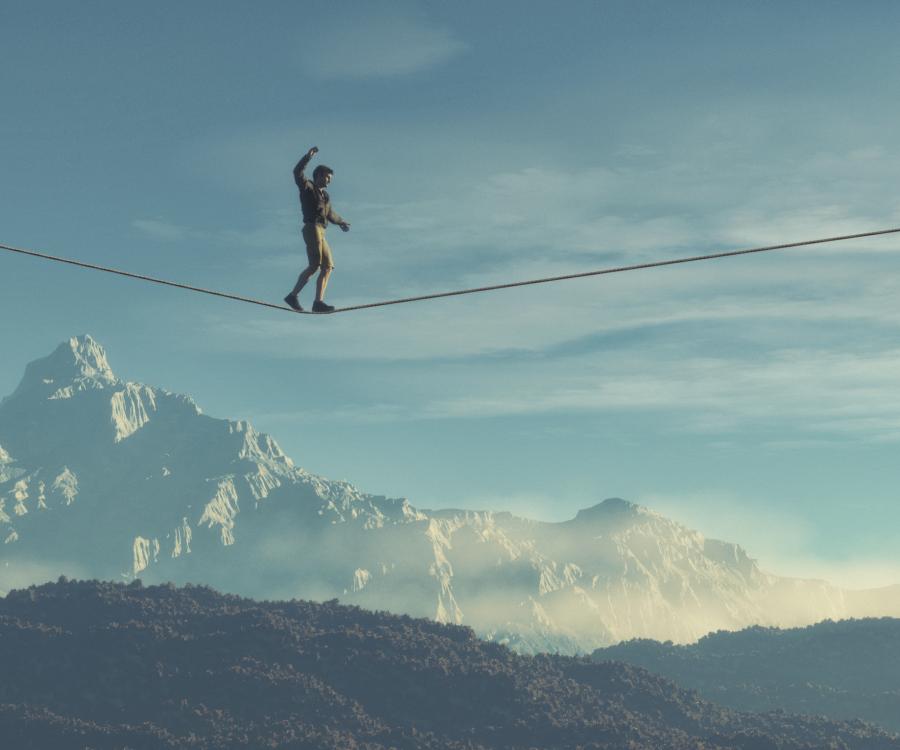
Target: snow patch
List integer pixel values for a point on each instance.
(130, 408)
(90, 359)
(222, 510)
(20, 495)
(7, 470)
(551, 579)
(360, 578)
(261, 482)
(66, 484)
(145, 551)
(439, 532)
(539, 614)
(182, 539)
(257, 446)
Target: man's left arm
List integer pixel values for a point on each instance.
(335, 218)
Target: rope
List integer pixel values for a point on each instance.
(619, 269)
(140, 277)
(456, 293)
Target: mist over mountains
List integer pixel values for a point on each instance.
(106, 479)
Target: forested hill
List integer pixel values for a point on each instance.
(101, 665)
(840, 669)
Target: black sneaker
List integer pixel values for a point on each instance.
(321, 307)
(292, 301)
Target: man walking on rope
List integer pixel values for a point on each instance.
(317, 212)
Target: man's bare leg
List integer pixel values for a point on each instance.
(302, 279)
(322, 284)
(319, 305)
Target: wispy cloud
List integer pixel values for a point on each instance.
(832, 393)
(378, 44)
(276, 230)
(803, 392)
(160, 229)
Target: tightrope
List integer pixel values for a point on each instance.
(456, 293)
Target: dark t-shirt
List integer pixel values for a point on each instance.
(314, 202)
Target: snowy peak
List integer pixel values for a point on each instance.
(613, 510)
(80, 357)
(257, 446)
(71, 402)
(77, 364)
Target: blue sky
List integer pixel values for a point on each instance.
(475, 143)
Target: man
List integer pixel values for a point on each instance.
(317, 212)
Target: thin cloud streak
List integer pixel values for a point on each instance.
(803, 394)
(549, 316)
(278, 229)
(818, 393)
(382, 44)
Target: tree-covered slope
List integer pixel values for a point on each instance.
(840, 669)
(101, 665)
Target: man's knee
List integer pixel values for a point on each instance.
(311, 269)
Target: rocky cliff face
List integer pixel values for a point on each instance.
(115, 480)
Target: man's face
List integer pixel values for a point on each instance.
(323, 180)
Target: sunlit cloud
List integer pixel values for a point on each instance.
(780, 540)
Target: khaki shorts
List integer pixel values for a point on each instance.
(317, 249)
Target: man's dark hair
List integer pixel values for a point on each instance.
(322, 170)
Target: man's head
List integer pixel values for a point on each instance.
(322, 175)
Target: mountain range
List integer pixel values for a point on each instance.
(108, 479)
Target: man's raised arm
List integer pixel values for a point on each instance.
(299, 177)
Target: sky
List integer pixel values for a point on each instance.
(473, 143)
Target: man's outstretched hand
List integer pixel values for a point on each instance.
(312, 152)
(345, 226)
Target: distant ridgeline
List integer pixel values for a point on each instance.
(112, 479)
(841, 669)
(106, 666)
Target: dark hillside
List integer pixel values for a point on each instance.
(840, 669)
(101, 665)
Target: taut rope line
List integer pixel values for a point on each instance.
(140, 277)
(619, 269)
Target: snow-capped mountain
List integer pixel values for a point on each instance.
(109, 479)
